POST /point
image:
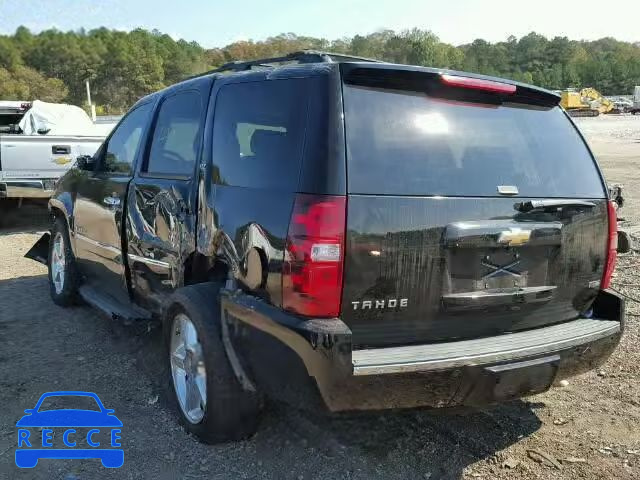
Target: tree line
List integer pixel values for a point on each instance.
(124, 66)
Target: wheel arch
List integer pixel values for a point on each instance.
(61, 206)
(199, 268)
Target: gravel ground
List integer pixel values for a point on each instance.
(589, 429)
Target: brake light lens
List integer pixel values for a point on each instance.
(477, 84)
(314, 256)
(612, 247)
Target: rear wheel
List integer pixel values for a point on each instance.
(63, 283)
(211, 402)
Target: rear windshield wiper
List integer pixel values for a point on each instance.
(536, 205)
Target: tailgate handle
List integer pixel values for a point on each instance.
(498, 297)
(534, 205)
(61, 149)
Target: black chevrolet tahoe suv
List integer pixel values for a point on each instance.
(344, 235)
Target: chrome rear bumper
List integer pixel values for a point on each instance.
(310, 363)
(482, 351)
(27, 188)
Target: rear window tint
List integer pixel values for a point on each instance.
(406, 143)
(258, 134)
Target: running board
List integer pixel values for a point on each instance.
(482, 351)
(112, 307)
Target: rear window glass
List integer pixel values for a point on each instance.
(406, 143)
(258, 134)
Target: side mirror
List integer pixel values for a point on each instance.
(85, 162)
(29, 410)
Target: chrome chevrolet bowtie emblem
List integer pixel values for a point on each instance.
(514, 237)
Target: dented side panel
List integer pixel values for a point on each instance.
(160, 237)
(245, 226)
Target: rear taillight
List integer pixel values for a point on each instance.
(314, 256)
(612, 246)
(477, 84)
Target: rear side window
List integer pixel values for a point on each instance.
(176, 137)
(258, 134)
(406, 143)
(10, 119)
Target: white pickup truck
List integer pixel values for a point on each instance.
(39, 142)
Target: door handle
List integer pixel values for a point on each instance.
(111, 201)
(61, 149)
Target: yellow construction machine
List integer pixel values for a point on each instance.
(587, 102)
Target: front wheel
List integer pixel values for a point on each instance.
(62, 273)
(211, 402)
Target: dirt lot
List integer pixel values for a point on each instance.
(589, 429)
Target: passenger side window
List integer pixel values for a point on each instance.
(124, 143)
(258, 134)
(176, 137)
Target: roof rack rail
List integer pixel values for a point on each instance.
(303, 56)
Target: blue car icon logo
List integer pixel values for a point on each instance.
(98, 423)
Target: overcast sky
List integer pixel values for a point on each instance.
(215, 23)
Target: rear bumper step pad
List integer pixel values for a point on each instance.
(502, 348)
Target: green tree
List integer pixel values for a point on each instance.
(24, 83)
(123, 66)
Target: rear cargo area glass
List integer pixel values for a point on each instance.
(407, 143)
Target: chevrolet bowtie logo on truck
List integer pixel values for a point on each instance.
(61, 160)
(514, 237)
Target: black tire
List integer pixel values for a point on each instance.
(231, 413)
(68, 295)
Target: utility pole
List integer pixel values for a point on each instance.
(91, 105)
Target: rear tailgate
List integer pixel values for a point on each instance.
(442, 240)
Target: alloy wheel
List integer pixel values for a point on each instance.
(58, 263)
(187, 368)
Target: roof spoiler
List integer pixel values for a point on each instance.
(447, 84)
